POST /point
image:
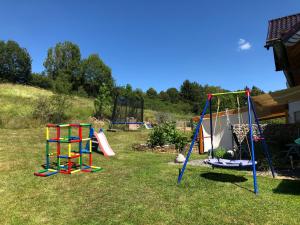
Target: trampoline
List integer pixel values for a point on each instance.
(128, 110)
(230, 164)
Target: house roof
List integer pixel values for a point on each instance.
(282, 28)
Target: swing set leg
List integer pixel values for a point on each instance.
(264, 144)
(252, 144)
(193, 141)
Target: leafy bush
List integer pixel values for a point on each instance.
(166, 133)
(51, 109)
(219, 152)
(181, 141)
(158, 137)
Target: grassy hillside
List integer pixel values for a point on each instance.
(18, 101)
(180, 111)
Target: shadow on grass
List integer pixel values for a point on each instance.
(228, 178)
(223, 177)
(291, 187)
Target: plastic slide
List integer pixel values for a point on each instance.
(148, 126)
(103, 144)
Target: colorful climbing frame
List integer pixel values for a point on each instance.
(70, 149)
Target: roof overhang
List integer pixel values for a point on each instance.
(268, 106)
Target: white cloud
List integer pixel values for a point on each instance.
(244, 45)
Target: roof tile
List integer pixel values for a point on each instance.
(279, 27)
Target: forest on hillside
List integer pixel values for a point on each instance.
(67, 72)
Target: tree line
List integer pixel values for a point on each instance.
(195, 95)
(65, 70)
(68, 73)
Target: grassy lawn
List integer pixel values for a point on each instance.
(134, 188)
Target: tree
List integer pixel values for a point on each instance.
(40, 80)
(94, 74)
(139, 92)
(151, 93)
(173, 95)
(256, 91)
(191, 91)
(15, 63)
(163, 96)
(125, 91)
(103, 101)
(63, 61)
(61, 84)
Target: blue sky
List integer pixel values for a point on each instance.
(156, 43)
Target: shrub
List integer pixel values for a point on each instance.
(158, 137)
(181, 141)
(166, 133)
(51, 109)
(219, 152)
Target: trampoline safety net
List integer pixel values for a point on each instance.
(129, 109)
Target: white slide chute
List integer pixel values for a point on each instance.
(103, 144)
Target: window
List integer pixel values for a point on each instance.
(297, 116)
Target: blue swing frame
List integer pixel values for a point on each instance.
(251, 108)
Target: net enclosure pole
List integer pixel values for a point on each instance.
(265, 146)
(194, 138)
(142, 109)
(252, 143)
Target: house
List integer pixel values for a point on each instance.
(284, 37)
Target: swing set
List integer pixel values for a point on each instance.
(237, 163)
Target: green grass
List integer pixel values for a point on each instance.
(134, 188)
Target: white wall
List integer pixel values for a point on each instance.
(223, 132)
(293, 107)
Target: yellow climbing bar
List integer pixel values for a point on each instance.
(86, 139)
(227, 93)
(47, 133)
(75, 171)
(69, 149)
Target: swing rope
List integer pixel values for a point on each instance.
(241, 121)
(215, 125)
